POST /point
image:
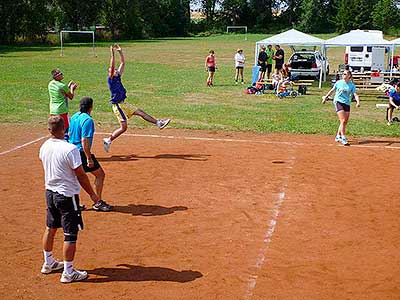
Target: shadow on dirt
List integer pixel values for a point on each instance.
(133, 157)
(127, 272)
(147, 210)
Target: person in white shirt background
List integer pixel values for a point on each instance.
(239, 65)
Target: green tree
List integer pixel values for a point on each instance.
(385, 14)
(262, 12)
(236, 12)
(123, 18)
(77, 15)
(313, 16)
(354, 15)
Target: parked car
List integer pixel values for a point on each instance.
(307, 63)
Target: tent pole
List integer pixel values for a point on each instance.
(320, 73)
(256, 55)
(391, 63)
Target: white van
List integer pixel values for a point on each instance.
(365, 58)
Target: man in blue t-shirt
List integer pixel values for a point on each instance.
(81, 133)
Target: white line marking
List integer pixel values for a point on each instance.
(261, 256)
(24, 145)
(253, 141)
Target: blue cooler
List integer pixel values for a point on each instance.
(254, 78)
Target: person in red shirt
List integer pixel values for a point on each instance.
(210, 67)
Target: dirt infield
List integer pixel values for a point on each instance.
(213, 215)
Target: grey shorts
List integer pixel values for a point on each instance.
(63, 212)
(341, 106)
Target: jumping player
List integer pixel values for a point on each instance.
(122, 109)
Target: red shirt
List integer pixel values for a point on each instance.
(210, 61)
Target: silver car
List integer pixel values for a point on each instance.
(307, 63)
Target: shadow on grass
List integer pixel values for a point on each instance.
(127, 272)
(17, 49)
(132, 157)
(147, 210)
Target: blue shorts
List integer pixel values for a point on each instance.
(396, 101)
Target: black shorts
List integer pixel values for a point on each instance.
(341, 106)
(211, 69)
(239, 68)
(63, 212)
(84, 163)
(397, 102)
(269, 68)
(278, 67)
(263, 67)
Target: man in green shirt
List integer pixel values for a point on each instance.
(60, 93)
(270, 53)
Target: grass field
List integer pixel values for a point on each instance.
(166, 78)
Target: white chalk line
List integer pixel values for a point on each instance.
(23, 145)
(212, 139)
(250, 141)
(262, 254)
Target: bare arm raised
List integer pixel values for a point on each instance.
(111, 69)
(121, 58)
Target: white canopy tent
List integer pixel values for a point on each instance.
(394, 44)
(358, 38)
(291, 37)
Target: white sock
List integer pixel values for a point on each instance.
(68, 267)
(48, 257)
(158, 123)
(108, 140)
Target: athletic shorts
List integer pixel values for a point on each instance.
(239, 68)
(397, 102)
(211, 69)
(65, 118)
(63, 212)
(263, 67)
(123, 111)
(84, 163)
(278, 67)
(269, 68)
(341, 106)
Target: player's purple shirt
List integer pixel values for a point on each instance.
(396, 96)
(118, 92)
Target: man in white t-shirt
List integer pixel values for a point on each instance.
(239, 65)
(64, 176)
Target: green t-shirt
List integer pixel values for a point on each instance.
(270, 53)
(58, 102)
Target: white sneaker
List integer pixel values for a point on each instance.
(162, 123)
(75, 276)
(107, 144)
(46, 269)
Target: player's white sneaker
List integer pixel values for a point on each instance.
(75, 276)
(56, 265)
(338, 138)
(107, 144)
(162, 123)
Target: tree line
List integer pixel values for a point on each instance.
(135, 19)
